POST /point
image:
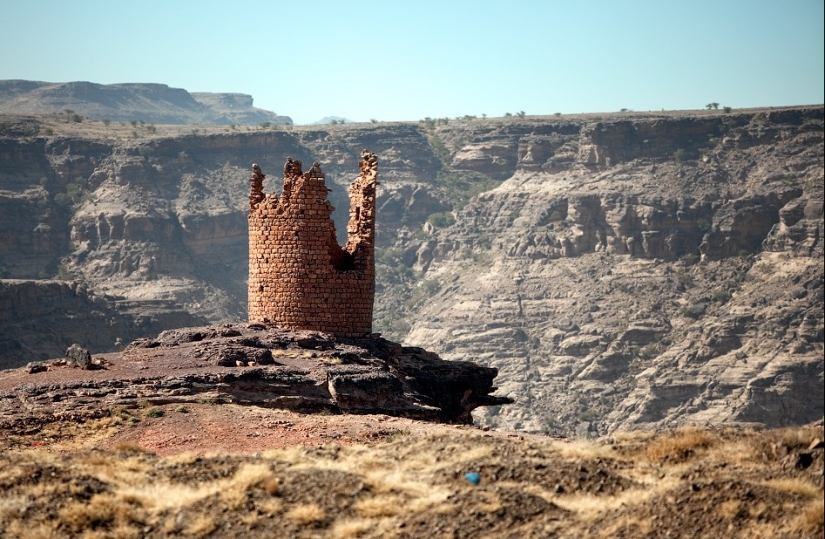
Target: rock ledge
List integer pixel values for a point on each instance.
(254, 364)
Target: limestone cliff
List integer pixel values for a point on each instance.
(620, 271)
(637, 273)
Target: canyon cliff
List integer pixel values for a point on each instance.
(621, 271)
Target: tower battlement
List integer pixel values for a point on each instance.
(299, 277)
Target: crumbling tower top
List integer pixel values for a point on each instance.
(299, 277)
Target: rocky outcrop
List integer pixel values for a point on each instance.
(256, 365)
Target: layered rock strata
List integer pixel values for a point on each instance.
(253, 364)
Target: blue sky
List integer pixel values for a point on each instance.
(396, 60)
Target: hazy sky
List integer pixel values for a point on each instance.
(395, 60)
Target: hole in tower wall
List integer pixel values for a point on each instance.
(342, 260)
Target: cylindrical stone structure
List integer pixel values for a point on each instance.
(299, 277)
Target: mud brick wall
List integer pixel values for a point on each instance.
(299, 277)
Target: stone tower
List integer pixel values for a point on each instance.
(299, 277)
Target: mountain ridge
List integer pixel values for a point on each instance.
(124, 102)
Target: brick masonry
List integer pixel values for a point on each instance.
(299, 277)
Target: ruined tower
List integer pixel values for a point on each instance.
(299, 277)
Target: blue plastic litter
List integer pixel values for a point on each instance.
(473, 477)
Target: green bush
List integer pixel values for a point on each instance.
(441, 219)
(153, 411)
(62, 200)
(428, 122)
(483, 241)
(440, 150)
(721, 296)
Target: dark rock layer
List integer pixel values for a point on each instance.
(254, 365)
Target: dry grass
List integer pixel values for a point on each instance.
(306, 514)
(730, 509)
(583, 449)
(680, 445)
(490, 504)
(270, 507)
(406, 481)
(590, 507)
(43, 530)
(379, 506)
(812, 517)
(235, 492)
(202, 526)
(351, 528)
(129, 447)
(103, 510)
(796, 485)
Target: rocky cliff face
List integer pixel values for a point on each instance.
(40, 319)
(620, 271)
(640, 273)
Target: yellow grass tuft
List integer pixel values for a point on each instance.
(491, 503)
(795, 485)
(812, 517)
(756, 510)
(270, 507)
(124, 531)
(101, 510)
(171, 525)
(44, 530)
(445, 509)
(350, 528)
(589, 507)
(680, 445)
(583, 449)
(235, 494)
(730, 509)
(252, 519)
(202, 526)
(130, 447)
(379, 506)
(234, 498)
(305, 514)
